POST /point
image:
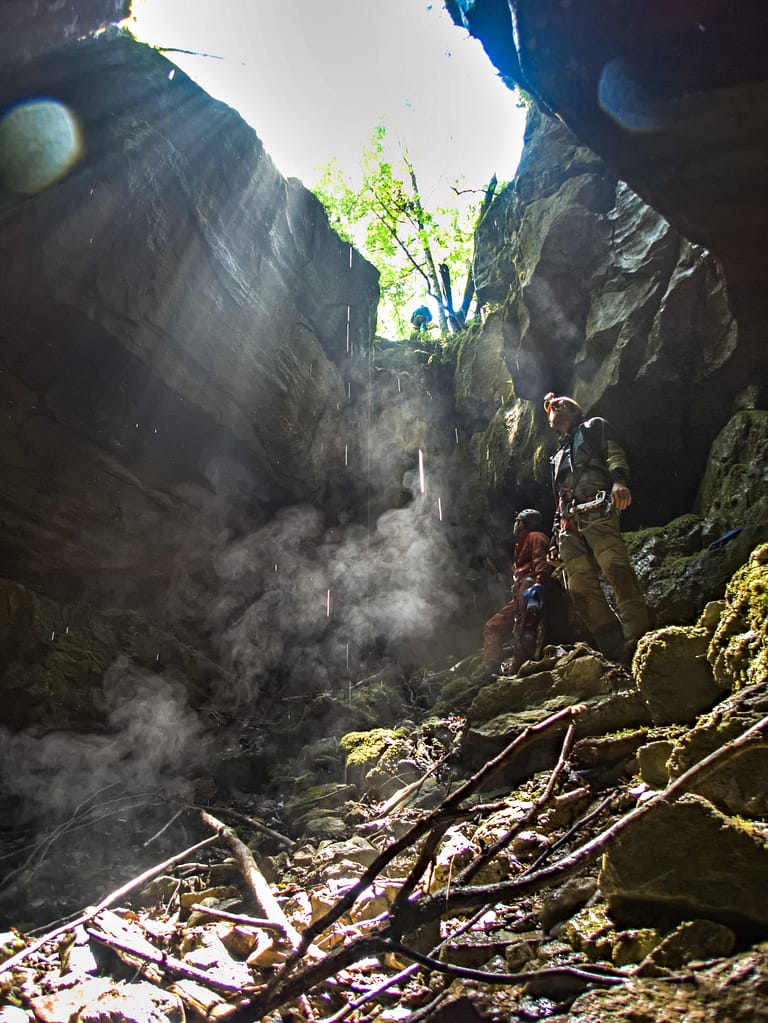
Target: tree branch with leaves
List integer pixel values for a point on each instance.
(416, 250)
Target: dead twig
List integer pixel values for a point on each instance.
(238, 918)
(472, 869)
(577, 826)
(427, 908)
(165, 962)
(108, 900)
(446, 811)
(164, 828)
(283, 988)
(289, 843)
(611, 977)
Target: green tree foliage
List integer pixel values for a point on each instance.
(417, 251)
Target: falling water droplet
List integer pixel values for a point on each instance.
(275, 566)
(456, 433)
(350, 257)
(421, 472)
(346, 455)
(440, 508)
(53, 636)
(171, 73)
(398, 384)
(349, 390)
(328, 604)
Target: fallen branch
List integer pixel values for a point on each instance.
(289, 843)
(577, 826)
(433, 906)
(107, 901)
(472, 869)
(611, 977)
(285, 988)
(446, 811)
(282, 988)
(254, 878)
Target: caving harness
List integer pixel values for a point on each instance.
(578, 516)
(575, 516)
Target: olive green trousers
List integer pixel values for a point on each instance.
(601, 544)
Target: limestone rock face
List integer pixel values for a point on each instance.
(690, 560)
(28, 29)
(181, 330)
(599, 297)
(661, 92)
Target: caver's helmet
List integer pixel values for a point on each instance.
(552, 401)
(529, 518)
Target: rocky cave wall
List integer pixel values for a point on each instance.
(180, 332)
(200, 435)
(196, 435)
(674, 97)
(590, 292)
(621, 266)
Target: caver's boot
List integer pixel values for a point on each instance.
(610, 642)
(485, 673)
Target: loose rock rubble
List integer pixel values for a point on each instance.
(561, 852)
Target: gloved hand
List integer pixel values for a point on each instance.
(534, 599)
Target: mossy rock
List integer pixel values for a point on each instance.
(58, 661)
(590, 931)
(673, 674)
(378, 750)
(738, 652)
(738, 785)
(368, 748)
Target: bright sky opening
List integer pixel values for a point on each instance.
(314, 79)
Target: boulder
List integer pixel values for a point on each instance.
(652, 758)
(736, 787)
(685, 860)
(695, 939)
(673, 674)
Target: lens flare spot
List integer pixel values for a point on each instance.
(40, 141)
(622, 96)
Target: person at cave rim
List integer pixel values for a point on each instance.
(521, 618)
(590, 479)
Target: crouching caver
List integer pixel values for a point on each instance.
(589, 477)
(522, 618)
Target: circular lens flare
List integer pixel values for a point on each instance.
(40, 141)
